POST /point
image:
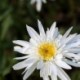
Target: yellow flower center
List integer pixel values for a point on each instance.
(47, 51)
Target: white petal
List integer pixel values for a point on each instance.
(52, 33)
(45, 78)
(62, 75)
(62, 64)
(33, 42)
(20, 58)
(69, 55)
(53, 69)
(38, 5)
(20, 49)
(21, 43)
(52, 30)
(66, 34)
(40, 64)
(27, 68)
(33, 1)
(33, 34)
(60, 50)
(74, 50)
(41, 29)
(44, 1)
(29, 65)
(77, 37)
(24, 63)
(72, 63)
(48, 69)
(30, 60)
(70, 38)
(43, 71)
(73, 45)
(20, 65)
(54, 77)
(56, 33)
(29, 71)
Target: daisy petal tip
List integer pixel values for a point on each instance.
(54, 24)
(71, 27)
(28, 27)
(24, 78)
(70, 67)
(15, 47)
(14, 67)
(14, 41)
(38, 21)
(38, 9)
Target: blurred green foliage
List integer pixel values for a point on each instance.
(15, 14)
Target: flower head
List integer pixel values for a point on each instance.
(38, 3)
(48, 52)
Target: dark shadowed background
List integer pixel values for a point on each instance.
(15, 14)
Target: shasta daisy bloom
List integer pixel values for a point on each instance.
(38, 3)
(50, 52)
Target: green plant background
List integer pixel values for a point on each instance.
(15, 14)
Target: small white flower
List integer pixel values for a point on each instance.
(48, 52)
(38, 3)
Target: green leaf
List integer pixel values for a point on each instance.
(5, 26)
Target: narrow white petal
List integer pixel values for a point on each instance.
(33, 1)
(47, 69)
(30, 60)
(33, 42)
(77, 37)
(52, 30)
(70, 38)
(53, 69)
(21, 43)
(62, 75)
(45, 78)
(20, 49)
(60, 50)
(20, 58)
(20, 65)
(27, 68)
(43, 71)
(56, 33)
(33, 34)
(66, 34)
(62, 64)
(44, 1)
(40, 64)
(41, 29)
(74, 50)
(72, 63)
(38, 5)
(29, 71)
(29, 65)
(73, 45)
(69, 55)
(24, 63)
(54, 77)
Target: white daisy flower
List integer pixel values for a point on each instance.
(38, 3)
(50, 52)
